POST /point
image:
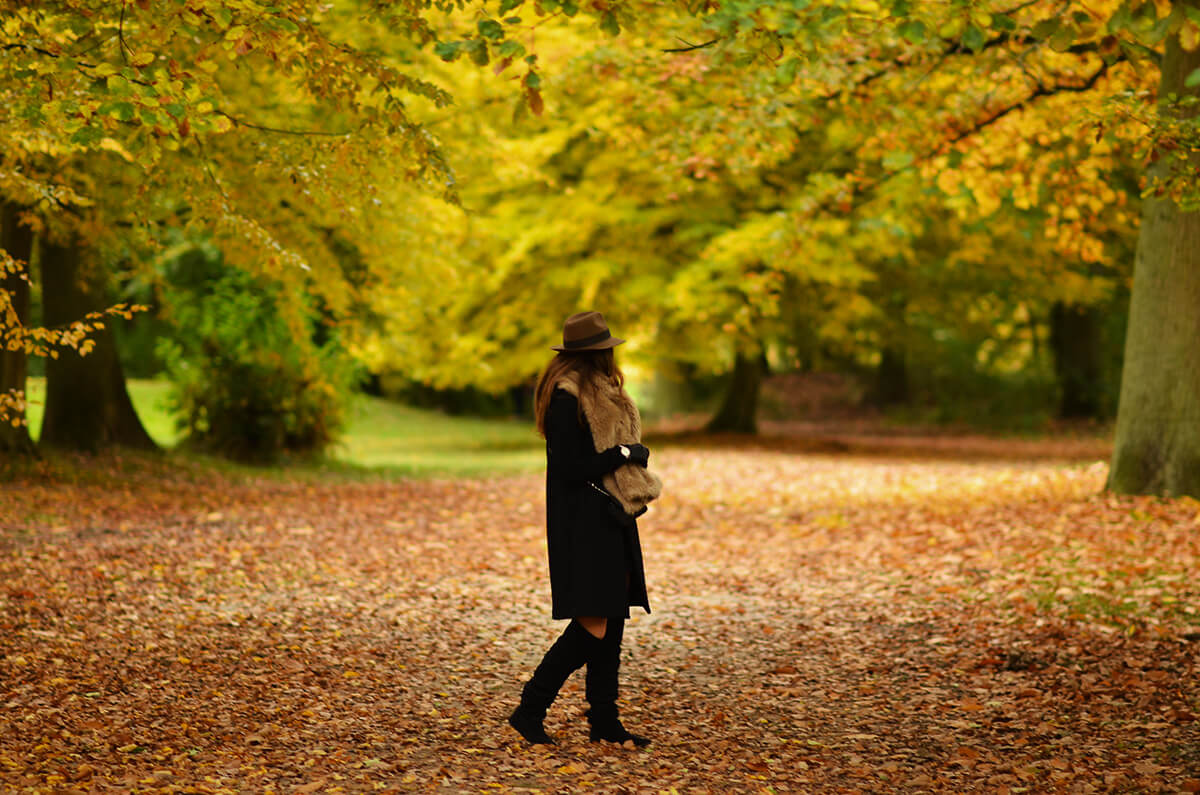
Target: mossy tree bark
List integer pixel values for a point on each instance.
(739, 408)
(1157, 445)
(87, 404)
(1075, 339)
(17, 240)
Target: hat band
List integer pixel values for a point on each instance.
(586, 341)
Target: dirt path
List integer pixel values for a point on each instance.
(822, 623)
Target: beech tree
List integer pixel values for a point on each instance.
(1107, 56)
(263, 126)
(16, 246)
(87, 404)
(1157, 446)
(799, 166)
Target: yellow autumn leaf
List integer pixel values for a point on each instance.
(143, 59)
(1189, 36)
(113, 145)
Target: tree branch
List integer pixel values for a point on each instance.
(82, 68)
(863, 191)
(1040, 91)
(690, 47)
(121, 35)
(281, 130)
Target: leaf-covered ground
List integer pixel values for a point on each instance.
(901, 621)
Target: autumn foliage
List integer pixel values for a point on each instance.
(900, 615)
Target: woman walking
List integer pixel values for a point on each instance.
(597, 484)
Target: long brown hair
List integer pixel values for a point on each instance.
(586, 364)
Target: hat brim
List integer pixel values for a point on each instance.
(611, 342)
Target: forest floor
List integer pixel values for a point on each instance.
(838, 617)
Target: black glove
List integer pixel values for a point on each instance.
(639, 454)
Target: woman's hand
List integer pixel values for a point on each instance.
(639, 454)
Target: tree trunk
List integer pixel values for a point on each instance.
(1157, 445)
(17, 240)
(87, 405)
(891, 379)
(740, 406)
(1075, 339)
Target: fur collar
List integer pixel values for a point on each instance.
(614, 419)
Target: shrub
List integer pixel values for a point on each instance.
(247, 383)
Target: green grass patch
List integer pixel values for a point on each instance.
(382, 438)
(382, 435)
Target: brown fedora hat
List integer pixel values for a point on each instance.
(586, 331)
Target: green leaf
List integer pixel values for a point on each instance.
(176, 109)
(1063, 38)
(830, 13)
(1193, 79)
(510, 49)
(490, 29)
(1004, 23)
(609, 24)
(479, 52)
(785, 73)
(974, 39)
(448, 50)
(512, 20)
(569, 8)
(913, 31)
(1046, 28)
(1120, 19)
(533, 80)
(122, 111)
(509, 5)
(86, 136)
(895, 161)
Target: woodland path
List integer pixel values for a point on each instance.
(822, 623)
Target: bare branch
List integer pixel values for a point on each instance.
(691, 47)
(281, 130)
(121, 35)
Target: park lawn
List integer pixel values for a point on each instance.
(381, 437)
(393, 438)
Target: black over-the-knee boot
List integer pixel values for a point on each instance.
(574, 647)
(601, 688)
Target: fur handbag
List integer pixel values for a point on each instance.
(614, 419)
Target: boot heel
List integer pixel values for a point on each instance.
(568, 654)
(605, 726)
(530, 727)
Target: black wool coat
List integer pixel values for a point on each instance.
(595, 553)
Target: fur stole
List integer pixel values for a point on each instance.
(614, 419)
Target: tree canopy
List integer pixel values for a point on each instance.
(881, 184)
